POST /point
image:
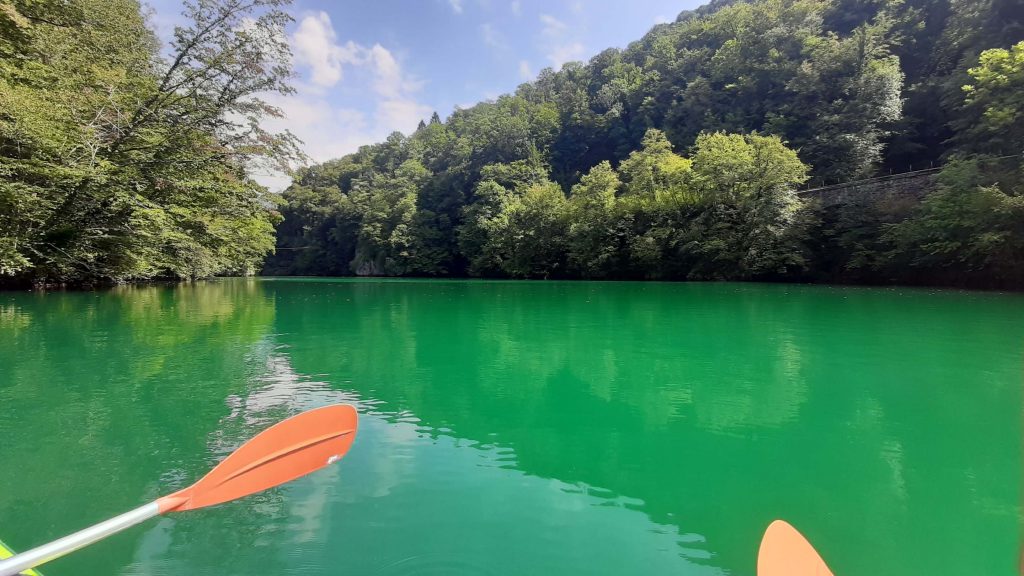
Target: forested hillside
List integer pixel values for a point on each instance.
(679, 158)
(676, 158)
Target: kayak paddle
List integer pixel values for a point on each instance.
(785, 552)
(285, 451)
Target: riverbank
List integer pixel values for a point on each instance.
(74, 287)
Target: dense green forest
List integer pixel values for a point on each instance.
(676, 158)
(121, 161)
(679, 158)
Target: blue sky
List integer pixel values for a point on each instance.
(369, 67)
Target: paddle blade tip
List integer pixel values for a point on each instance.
(785, 552)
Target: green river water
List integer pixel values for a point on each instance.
(521, 427)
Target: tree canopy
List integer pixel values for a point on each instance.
(118, 163)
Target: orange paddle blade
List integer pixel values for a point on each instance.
(785, 552)
(285, 451)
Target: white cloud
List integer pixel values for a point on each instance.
(524, 70)
(558, 48)
(327, 128)
(559, 54)
(274, 181)
(517, 7)
(400, 114)
(577, 7)
(552, 26)
(388, 79)
(398, 109)
(327, 131)
(314, 45)
(456, 6)
(492, 37)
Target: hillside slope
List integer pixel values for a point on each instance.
(601, 170)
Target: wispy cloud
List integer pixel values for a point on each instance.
(456, 6)
(517, 7)
(557, 42)
(562, 53)
(524, 70)
(552, 26)
(400, 115)
(492, 37)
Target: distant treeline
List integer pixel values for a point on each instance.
(678, 157)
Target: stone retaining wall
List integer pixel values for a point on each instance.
(873, 191)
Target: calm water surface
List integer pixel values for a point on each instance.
(522, 428)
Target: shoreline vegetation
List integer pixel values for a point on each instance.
(677, 158)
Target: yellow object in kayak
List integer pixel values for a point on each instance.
(6, 552)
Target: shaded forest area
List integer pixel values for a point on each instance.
(679, 158)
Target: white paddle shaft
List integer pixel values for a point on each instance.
(71, 542)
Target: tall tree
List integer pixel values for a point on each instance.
(753, 224)
(993, 116)
(118, 164)
(595, 231)
(386, 204)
